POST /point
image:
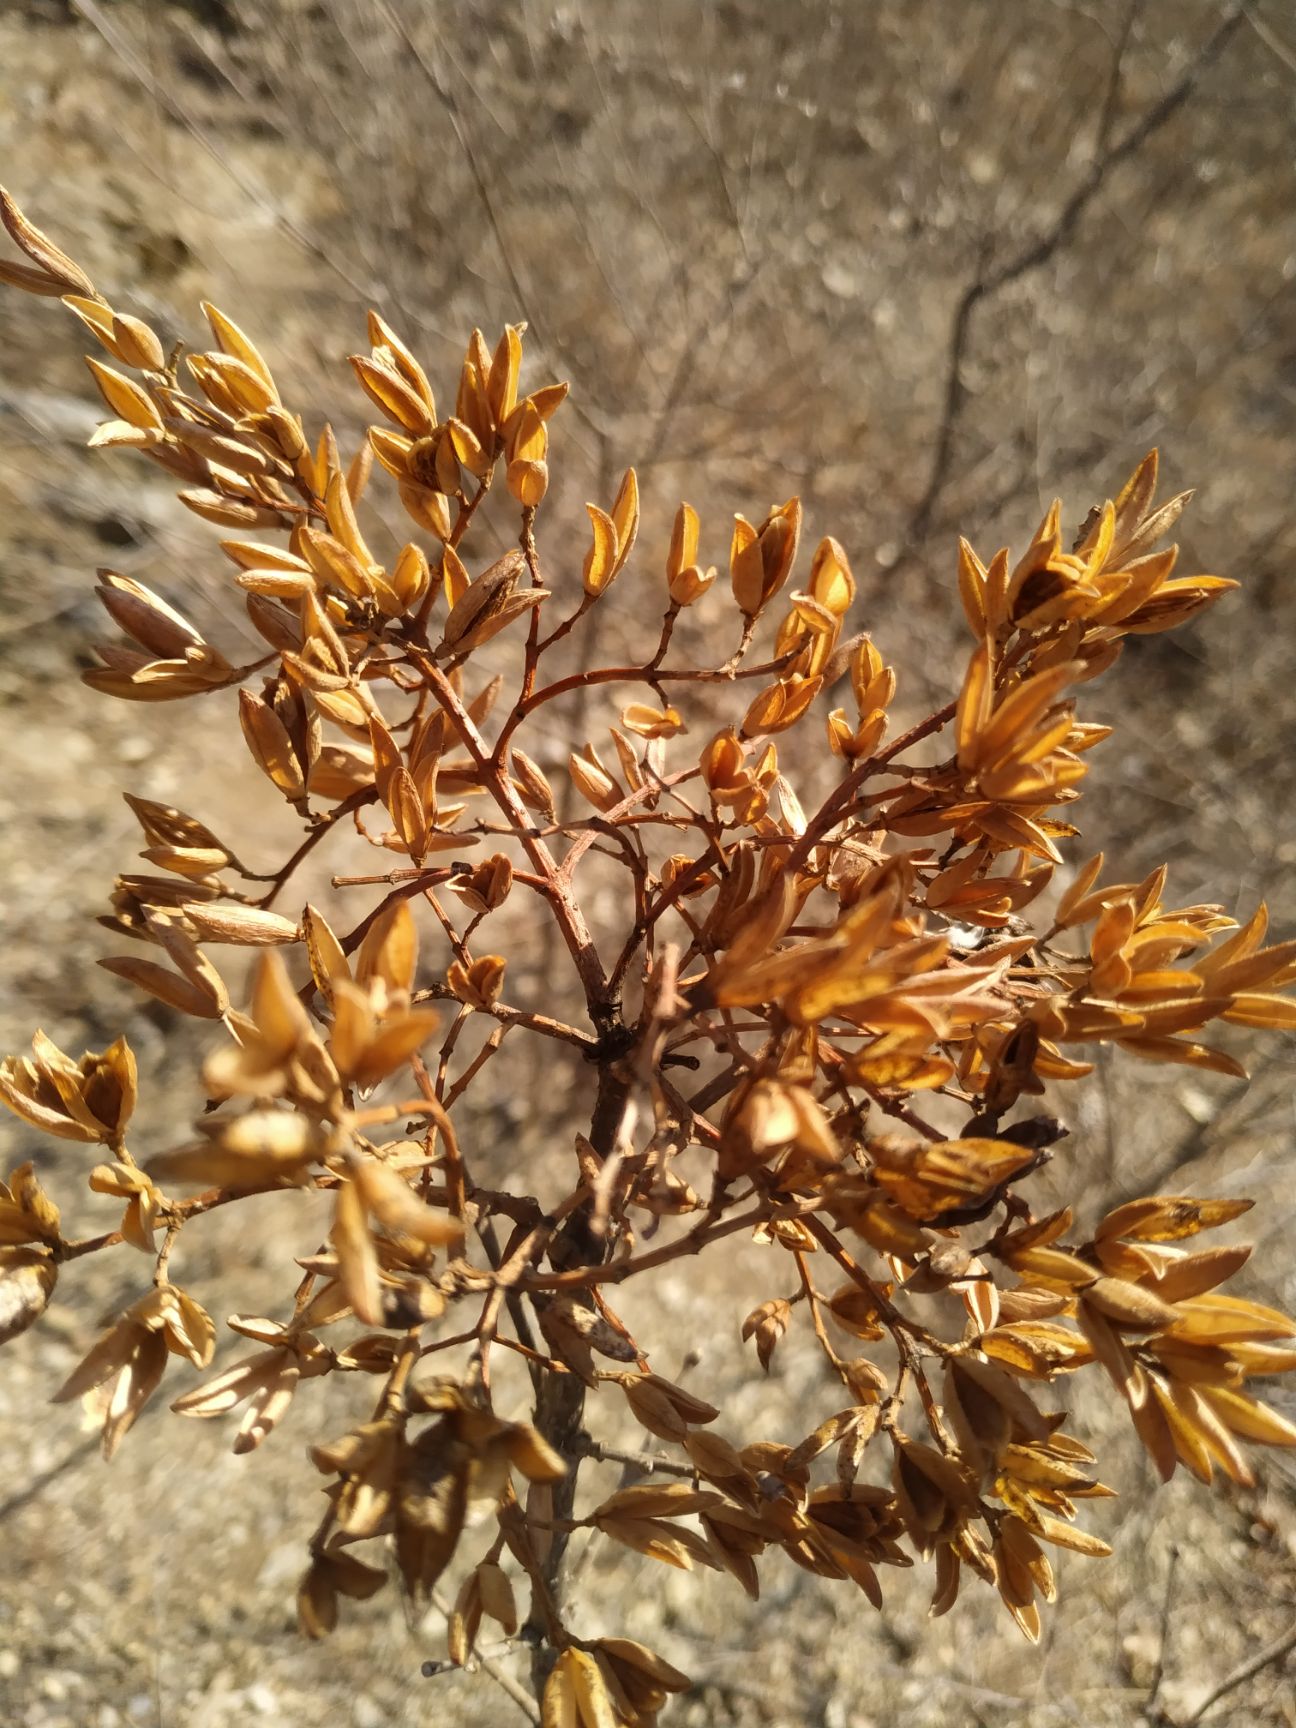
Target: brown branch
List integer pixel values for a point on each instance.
(638, 1464)
(645, 924)
(357, 801)
(816, 1320)
(614, 816)
(560, 1399)
(1036, 253)
(838, 802)
(567, 913)
(652, 675)
(693, 1242)
(178, 1213)
(1278, 1651)
(456, 1186)
(504, 1680)
(1163, 1644)
(544, 1024)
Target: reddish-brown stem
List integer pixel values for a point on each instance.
(649, 674)
(357, 801)
(663, 903)
(839, 800)
(479, 1061)
(896, 1322)
(650, 789)
(542, 1023)
(816, 1320)
(617, 1271)
(416, 883)
(417, 627)
(178, 1213)
(566, 911)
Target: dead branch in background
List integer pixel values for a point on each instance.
(990, 281)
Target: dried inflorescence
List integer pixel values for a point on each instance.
(820, 1022)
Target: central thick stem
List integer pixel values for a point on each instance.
(560, 1400)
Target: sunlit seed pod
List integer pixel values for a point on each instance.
(383, 384)
(528, 481)
(27, 1281)
(485, 595)
(689, 584)
(137, 344)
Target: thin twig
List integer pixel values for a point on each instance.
(987, 283)
(501, 1677)
(1163, 1645)
(1278, 1651)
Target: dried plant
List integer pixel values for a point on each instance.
(821, 1019)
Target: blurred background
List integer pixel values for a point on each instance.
(927, 263)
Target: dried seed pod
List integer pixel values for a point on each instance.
(27, 1281)
(483, 601)
(55, 272)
